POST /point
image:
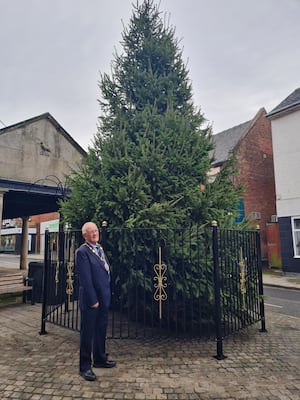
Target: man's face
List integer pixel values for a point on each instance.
(91, 233)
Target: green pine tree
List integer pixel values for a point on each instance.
(148, 167)
(152, 149)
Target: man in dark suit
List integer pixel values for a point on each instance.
(94, 299)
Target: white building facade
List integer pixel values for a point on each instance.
(285, 120)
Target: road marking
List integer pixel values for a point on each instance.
(273, 305)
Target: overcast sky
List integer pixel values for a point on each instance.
(241, 55)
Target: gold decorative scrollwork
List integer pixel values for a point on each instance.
(243, 268)
(160, 294)
(70, 272)
(55, 253)
(70, 281)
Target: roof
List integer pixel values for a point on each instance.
(292, 101)
(226, 141)
(52, 120)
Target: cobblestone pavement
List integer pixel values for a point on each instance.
(259, 366)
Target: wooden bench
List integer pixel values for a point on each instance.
(13, 281)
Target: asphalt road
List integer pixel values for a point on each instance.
(283, 301)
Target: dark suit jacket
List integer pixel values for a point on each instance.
(94, 280)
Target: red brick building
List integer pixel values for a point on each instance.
(36, 222)
(251, 142)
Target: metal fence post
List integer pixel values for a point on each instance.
(45, 282)
(260, 282)
(104, 234)
(217, 290)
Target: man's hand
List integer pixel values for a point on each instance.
(95, 305)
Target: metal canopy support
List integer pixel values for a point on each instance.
(26, 198)
(2, 191)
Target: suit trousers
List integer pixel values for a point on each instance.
(92, 337)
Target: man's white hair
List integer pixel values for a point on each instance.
(86, 226)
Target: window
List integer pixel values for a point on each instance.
(296, 235)
(241, 210)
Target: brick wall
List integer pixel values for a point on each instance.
(37, 219)
(256, 173)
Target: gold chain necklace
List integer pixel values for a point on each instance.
(102, 258)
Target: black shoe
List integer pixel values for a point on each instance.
(105, 364)
(88, 375)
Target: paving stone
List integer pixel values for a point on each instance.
(259, 366)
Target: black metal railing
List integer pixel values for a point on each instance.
(203, 282)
